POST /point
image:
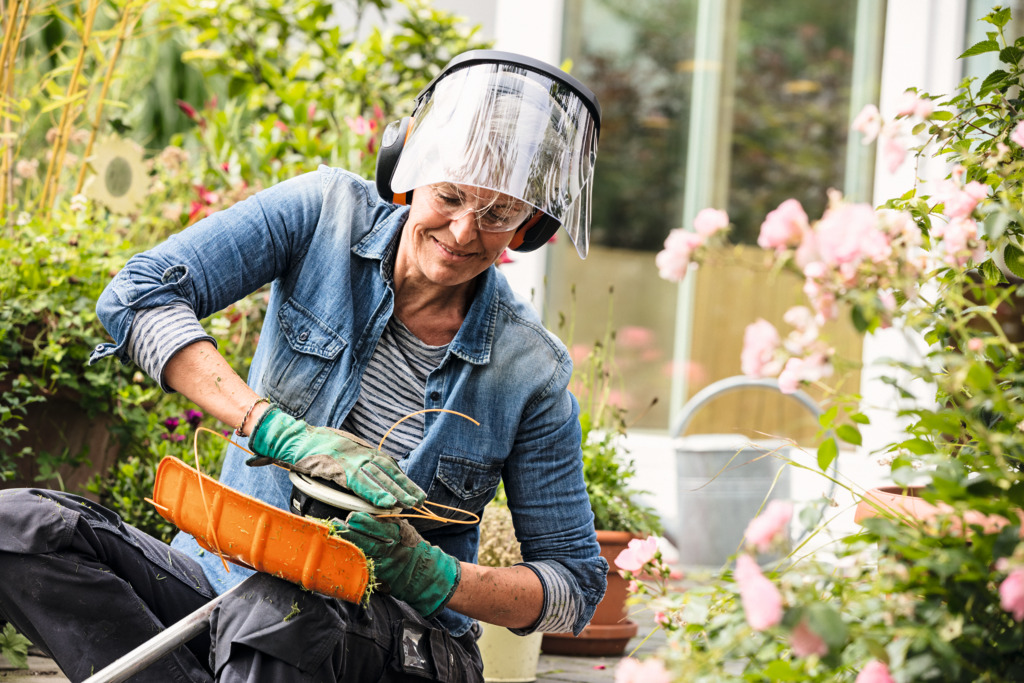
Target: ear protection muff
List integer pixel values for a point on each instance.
(535, 233)
(391, 144)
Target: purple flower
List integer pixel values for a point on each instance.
(171, 423)
(193, 417)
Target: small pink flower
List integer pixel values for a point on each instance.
(894, 151)
(911, 104)
(783, 227)
(770, 525)
(806, 642)
(874, 672)
(868, 123)
(709, 221)
(1018, 134)
(809, 369)
(960, 202)
(760, 342)
(633, 586)
(976, 344)
(1011, 594)
(637, 554)
(358, 125)
(661, 618)
(635, 337)
(673, 260)
(652, 670)
(281, 126)
(849, 233)
(957, 238)
(762, 602)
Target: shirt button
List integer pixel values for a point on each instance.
(304, 336)
(435, 395)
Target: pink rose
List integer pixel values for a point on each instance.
(760, 342)
(673, 260)
(638, 553)
(770, 525)
(652, 670)
(709, 221)
(868, 123)
(874, 672)
(960, 202)
(1018, 134)
(783, 227)
(762, 602)
(806, 642)
(1011, 594)
(849, 233)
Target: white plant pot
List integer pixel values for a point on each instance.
(509, 658)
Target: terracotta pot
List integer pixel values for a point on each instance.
(610, 630)
(907, 503)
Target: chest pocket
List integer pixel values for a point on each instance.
(301, 359)
(463, 484)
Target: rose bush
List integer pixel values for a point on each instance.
(942, 265)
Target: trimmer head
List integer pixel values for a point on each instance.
(323, 499)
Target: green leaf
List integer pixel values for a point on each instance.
(827, 452)
(849, 434)
(860, 418)
(995, 80)
(828, 624)
(999, 17)
(918, 446)
(941, 115)
(1014, 258)
(980, 48)
(14, 647)
(1011, 55)
(781, 670)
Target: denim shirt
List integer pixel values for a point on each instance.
(321, 239)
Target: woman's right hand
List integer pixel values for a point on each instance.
(334, 455)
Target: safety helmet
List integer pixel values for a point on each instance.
(507, 123)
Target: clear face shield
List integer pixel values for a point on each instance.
(511, 130)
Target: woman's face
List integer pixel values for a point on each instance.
(443, 240)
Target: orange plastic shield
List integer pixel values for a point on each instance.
(252, 533)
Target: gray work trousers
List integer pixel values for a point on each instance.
(86, 588)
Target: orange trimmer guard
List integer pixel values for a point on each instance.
(251, 533)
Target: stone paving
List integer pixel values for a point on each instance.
(551, 668)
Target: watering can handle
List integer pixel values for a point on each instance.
(724, 386)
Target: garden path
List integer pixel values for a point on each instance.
(551, 669)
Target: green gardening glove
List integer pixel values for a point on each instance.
(334, 455)
(420, 574)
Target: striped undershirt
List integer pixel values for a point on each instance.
(392, 387)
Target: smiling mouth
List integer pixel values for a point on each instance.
(450, 251)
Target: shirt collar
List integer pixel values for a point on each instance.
(475, 337)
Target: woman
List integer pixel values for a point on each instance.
(377, 310)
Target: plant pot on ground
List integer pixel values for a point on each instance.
(619, 517)
(507, 657)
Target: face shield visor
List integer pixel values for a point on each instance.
(508, 129)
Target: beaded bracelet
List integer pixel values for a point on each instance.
(238, 429)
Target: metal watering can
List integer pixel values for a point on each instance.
(723, 480)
